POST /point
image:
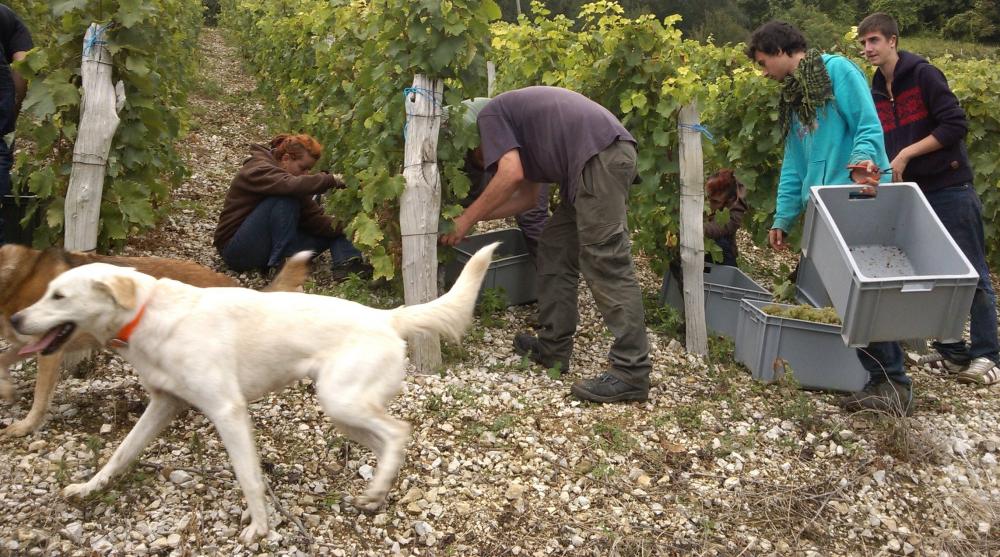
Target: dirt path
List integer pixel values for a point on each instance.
(225, 118)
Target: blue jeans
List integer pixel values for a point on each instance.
(883, 360)
(270, 233)
(961, 212)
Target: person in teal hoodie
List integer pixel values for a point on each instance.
(832, 136)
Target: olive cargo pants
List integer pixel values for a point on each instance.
(590, 236)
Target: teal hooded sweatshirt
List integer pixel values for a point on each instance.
(847, 131)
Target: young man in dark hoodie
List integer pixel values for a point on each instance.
(924, 130)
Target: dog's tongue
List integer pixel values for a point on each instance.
(39, 344)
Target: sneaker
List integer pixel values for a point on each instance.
(529, 346)
(982, 371)
(607, 388)
(887, 397)
(940, 362)
(353, 266)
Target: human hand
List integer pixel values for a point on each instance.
(867, 174)
(776, 237)
(457, 234)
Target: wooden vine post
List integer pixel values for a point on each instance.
(420, 207)
(692, 229)
(99, 107)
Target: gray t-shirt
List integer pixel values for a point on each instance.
(555, 130)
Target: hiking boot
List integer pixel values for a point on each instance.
(938, 361)
(529, 346)
(981, 371)
(607, 388)
(888, 397)
(353, 266)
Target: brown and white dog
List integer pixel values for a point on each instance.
(25, 273)
(218, 349)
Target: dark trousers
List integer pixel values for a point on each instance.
(590, 237)
(961, 213)
(6, 163)
(883, 360)
(271, 233)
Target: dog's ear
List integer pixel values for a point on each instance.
(121, 289)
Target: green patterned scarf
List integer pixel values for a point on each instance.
(803, 91)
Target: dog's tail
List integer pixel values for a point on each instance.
(451, 314)
(292, 275)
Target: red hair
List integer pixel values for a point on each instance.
(296, 146)
(722, 181)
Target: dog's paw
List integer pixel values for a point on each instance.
(77, 490)
(19, 429)
(369, 502)
(80, 490)
(253, 533)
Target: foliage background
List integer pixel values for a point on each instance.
(337, 69)
(337, 74)
(151, 42)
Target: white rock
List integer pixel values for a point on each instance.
(879, 477)
(73, 532)
(421, 528)
(894, 545)
(366, 471)
(36, 446)
(414, 494)
(576, 541)
(180, 477)
(102, 545)
(105, 429)
(731, 483)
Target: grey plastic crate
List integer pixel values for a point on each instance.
(809, 287)
(890, 268)
(511, 268)
(813, 352)
(724, 288)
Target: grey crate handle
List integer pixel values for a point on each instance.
(917, 287)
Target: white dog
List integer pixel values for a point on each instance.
(217, 349)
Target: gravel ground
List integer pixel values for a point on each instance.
(502, 461)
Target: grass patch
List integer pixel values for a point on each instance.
(688, 416)
(357, 289)
(722, 351)
(611, 437)
(491, 306)
(662, 318)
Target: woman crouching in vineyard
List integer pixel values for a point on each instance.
(270, 211)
